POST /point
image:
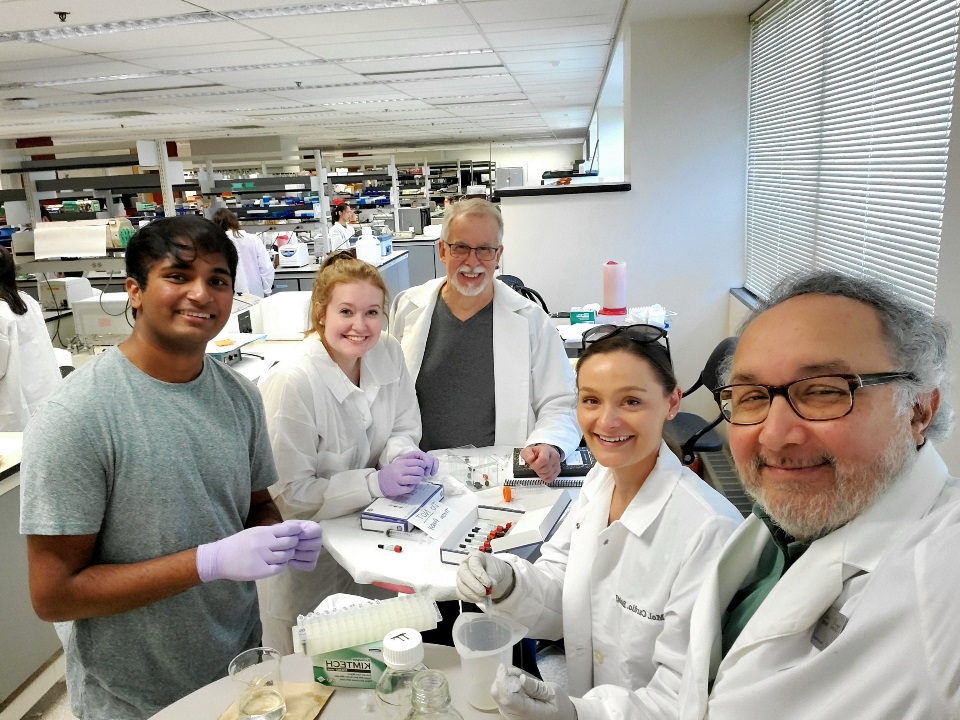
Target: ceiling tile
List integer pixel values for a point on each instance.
(367, 46)
(500, 11)
(20, 52)
(77, 68)
(201, 35)
(549, 37)
(340, 23)
(20, 15)
(555, 49)
(227, 56)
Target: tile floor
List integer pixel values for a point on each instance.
(52, 706)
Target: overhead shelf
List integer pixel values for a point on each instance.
(113, 183)
(11, 195)
(292, 184)
(97, 161)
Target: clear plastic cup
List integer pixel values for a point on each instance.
(484, 642)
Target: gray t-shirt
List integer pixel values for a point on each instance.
(455, 386)
(152, 468)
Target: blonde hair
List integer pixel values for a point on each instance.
(338, 269)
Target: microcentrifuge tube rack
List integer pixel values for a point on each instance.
(321, 632)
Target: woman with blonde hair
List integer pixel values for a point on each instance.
(344, 426)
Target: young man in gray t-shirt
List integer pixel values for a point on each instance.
(144, 483)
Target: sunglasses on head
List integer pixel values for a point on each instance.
(639, 333)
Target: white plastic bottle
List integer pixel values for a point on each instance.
(368, 247)
(403, 656)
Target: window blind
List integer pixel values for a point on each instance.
(849, 126)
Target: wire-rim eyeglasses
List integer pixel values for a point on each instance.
(485, 253)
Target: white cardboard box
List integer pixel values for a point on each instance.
(534, 515)
(395, 513)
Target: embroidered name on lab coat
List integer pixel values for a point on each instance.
(828, 628)
(648, 614)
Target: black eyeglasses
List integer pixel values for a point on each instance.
(639, 332)
(484, 252)
(824, 397)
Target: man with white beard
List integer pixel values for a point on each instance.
(489, 366)
(837, 599)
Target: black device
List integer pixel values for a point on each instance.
(572, 469)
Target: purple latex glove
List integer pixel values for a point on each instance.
(251, 554)
(400, 477)
(430, 464)
(309, 543)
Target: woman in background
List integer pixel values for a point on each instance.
(343, 409)
(254, 269)
(28, 369)
(619, 578)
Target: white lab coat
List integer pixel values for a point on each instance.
(535, 391)
(893, 572)
(621, 595)
(29, 373)
(254, 267)
(340, 236)
(327, 437)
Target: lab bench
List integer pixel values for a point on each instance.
(29, 643)
(425, 261)
(395, 269)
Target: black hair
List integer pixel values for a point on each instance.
(653, 353)
(338, 211)
(182, 238)
(8, 283)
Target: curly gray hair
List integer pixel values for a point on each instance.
(916, 339)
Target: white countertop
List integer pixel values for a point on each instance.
(10, 444)
(315, 265)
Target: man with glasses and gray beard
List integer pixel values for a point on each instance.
(489, 365)
(837, 598)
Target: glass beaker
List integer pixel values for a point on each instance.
(256, 675)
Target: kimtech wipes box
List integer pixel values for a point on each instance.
(344, 635)
(356, 667)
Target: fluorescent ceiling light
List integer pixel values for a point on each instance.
(62, 33)
(438, 53)
(245, 68)
(99, 78)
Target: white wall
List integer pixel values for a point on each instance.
(610, 129)
(680, 228)
(948, 277)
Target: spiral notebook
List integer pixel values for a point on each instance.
(572, 470)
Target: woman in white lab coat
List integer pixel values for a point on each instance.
(346, 407)
(618, 580)
(340, 232)
(254, 267)
(29, 374)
